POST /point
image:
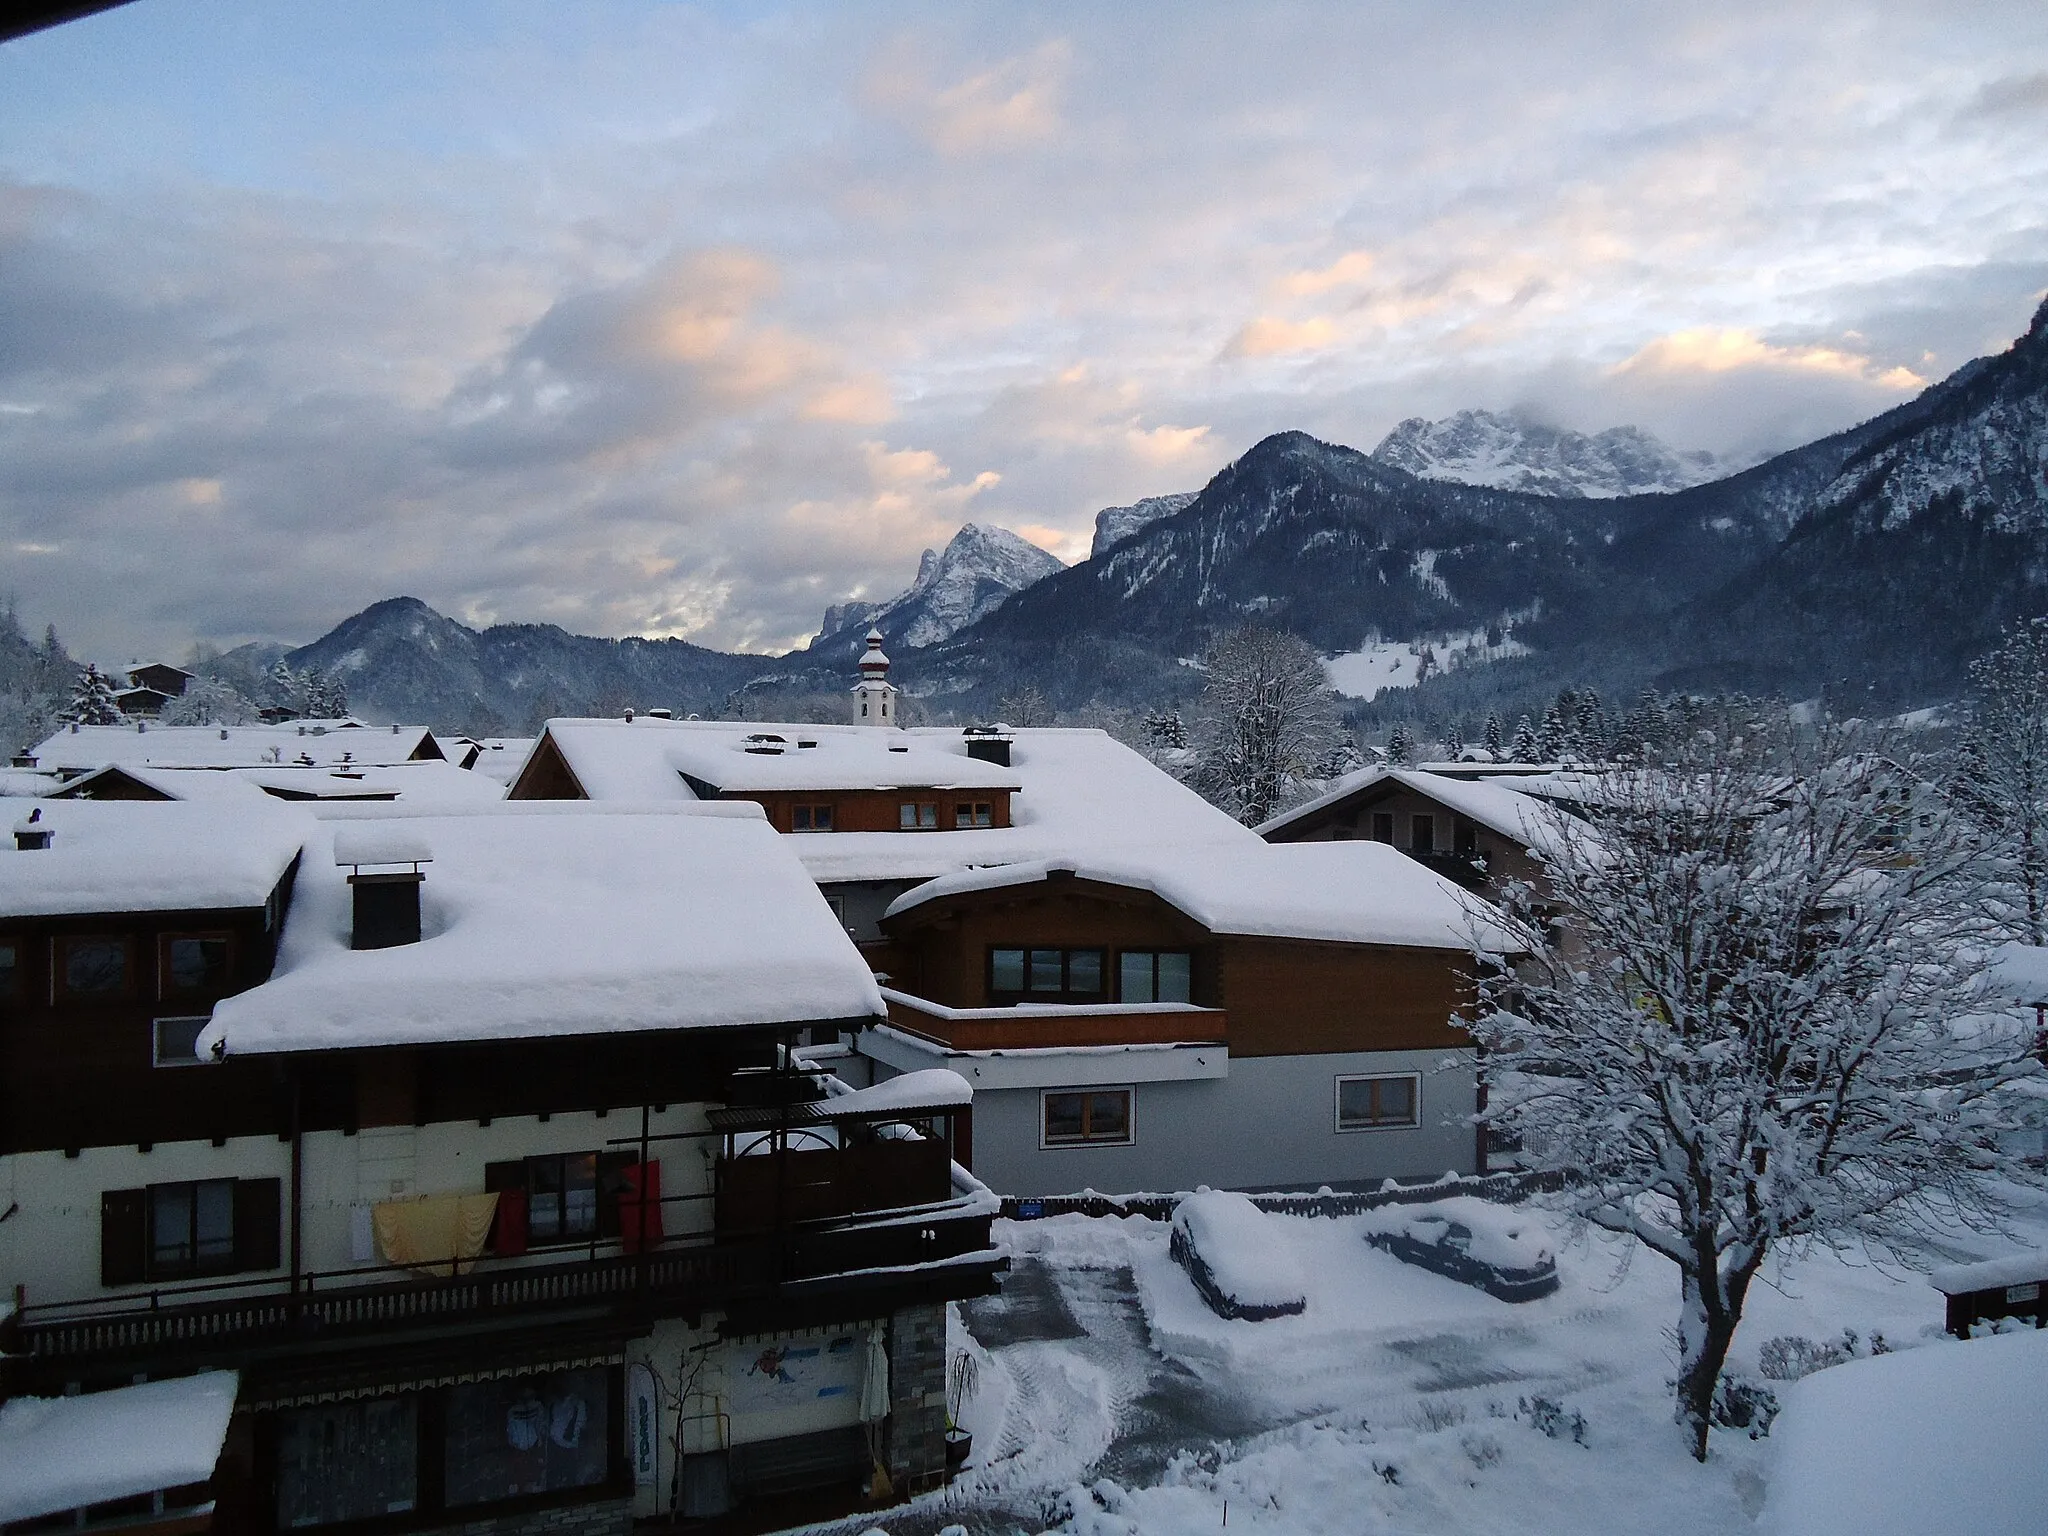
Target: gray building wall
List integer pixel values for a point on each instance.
(1271, 1123)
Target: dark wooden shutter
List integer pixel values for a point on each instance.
(611, 1183)
(124, 1236)
(259, 1205)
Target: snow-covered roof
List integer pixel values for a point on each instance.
(1946, 1437)
(501, 757)
(1344, 893)
(1987, 1274)
(171, 783)
(63, 1453)
(931, 1088)
(328, 743)
(152, 856)
(1519, 817)
(646, 759)
(555, 919)
(1074, 789)
(429, 779)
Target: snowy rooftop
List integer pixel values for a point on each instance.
(327, 743)
(1075, 789)
(555, 919)
(1946, 1437)
(151, 856)
(1346, 893)
(430, 779)
(646, 759)
(1493, 805)
(63, 1453)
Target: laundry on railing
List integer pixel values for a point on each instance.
(440, 1234)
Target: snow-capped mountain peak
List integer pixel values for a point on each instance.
(1517, 453)
(978, 569)
(1114, 523)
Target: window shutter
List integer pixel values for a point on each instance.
(123, 1236)
(611, 1183)
(258, 1207)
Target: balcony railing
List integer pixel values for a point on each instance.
(1029, 1025)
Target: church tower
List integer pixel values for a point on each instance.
(874, 693)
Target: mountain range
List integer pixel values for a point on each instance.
(1870, 565)
(1517, 452)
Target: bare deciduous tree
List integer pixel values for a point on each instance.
(1267, 722)
(1770, 1032)
(2002, 772)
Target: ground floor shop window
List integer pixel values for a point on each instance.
(1378, 1103)
(347, 1461)
(527, 1434)
(1087, 1117)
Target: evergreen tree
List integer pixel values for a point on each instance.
(1525, 748)
(1550, 737)
(92, 700)
(1592, 726)
(1400, 747)
(1496, 743)
(1454, 743)
(1166, 732)
(326, 695)
(2001, 774)
(288, 689)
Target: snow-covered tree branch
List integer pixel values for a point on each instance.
(1769, 1023)
(1267, 722)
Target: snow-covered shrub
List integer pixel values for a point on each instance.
(1548, 1415)
(1439, 1414)
(1791, 1357)
(1744, 1404)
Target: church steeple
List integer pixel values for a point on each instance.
(874, 693)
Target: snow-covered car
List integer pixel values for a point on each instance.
(1242, 1267)
(1500, 1251)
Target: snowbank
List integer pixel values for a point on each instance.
(1238, 1259)
(61, 1453)
(1949, 1437)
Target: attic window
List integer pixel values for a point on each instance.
(193, 962)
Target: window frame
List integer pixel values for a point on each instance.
(164, 941)
(979, 814)
(810, 811)
(1003, 998)
(61, 990)
(1417, 822)
(1155, 956)
(1049, 1143)
(199, 1267)
(1383, 821)
(917, 816)
(1414, 1120)
(562, 1237)
(156, 1040)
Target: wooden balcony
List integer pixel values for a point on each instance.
(1038, 1025)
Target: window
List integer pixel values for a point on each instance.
(978, 814)
(561, 1197)
(194, 962)
(1383, 826)
(1465, 836)
(811, 818)
(1154, 976)
(347, 1461)
(93, 967)
(522, 1435)
(1422, 834)
(191, 1228)
(175, 1042)
(1045, 975)
(1089, 1117)
(10, 967)
(1375, 1103)
(918, 816)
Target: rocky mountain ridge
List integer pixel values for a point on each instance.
(978, 569)
(1115, 524)
(1516, 452)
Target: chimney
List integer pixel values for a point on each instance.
(33, 832)
(661, 714)
(988, 744)
(387, 896)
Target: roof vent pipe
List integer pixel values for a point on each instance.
(629, 717)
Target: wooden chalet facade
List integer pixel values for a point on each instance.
(1113, 1019)
(467, 1268)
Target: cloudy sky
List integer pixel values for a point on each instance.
(669, 319)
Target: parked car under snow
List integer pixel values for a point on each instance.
(1500, 1251)
(1240, 1264)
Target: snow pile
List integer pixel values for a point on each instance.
(152, 856)
(1946, 1438)
(62, 1453)
(550, 919)
(1231, 1249)
(1344, 893)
